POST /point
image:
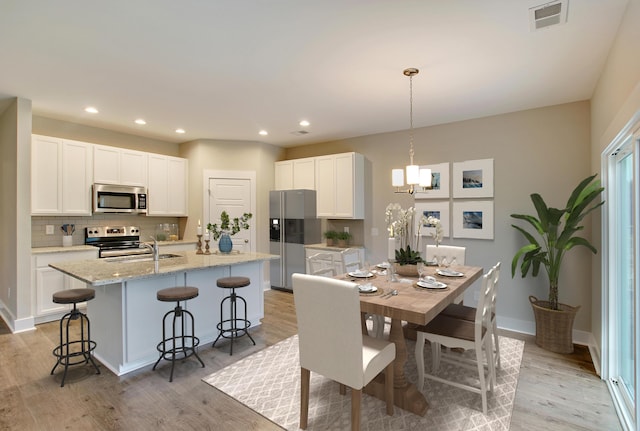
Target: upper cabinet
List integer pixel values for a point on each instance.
(338, 180)
(340, 186)
(63, 171)
(61, 176)
(295, 174)
(284, 175)
(167, 190)
(114, 165)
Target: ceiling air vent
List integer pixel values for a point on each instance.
(300, 132)
(548, 14)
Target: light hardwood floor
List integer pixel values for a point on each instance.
(555, 392)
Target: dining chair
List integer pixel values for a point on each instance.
(458, 333)
(331, 342)
(454, 255)
(465, 312)
(351, 260)
(322, 264)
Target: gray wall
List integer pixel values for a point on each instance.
(615, 101)
(542, 150)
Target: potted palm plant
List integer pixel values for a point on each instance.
(554, 233)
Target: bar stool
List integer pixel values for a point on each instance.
(74, 352)
(183, 342)
(233, 327)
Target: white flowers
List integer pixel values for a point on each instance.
(434, 222)
(400, 223)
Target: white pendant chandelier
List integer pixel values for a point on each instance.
(415, 175)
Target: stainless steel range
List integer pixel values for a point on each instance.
(115, 241)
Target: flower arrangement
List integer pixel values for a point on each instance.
(229, 226)
(400, 223)
(431, 221)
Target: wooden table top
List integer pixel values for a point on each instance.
(414, 304)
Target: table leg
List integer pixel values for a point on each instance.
(406, 395)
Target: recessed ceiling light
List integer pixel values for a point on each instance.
(263, 133)
(140, 121)
(180, 131)
(91, 110)
(304, 123)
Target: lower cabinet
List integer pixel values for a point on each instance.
(47, 281)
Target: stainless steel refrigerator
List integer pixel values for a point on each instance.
(292, 224)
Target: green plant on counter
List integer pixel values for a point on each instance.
(408, 256)
(331, 234)
(343, 236)
(229, 226)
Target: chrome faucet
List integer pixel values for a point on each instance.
(154, 249)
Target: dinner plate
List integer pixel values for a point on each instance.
(367, 289)
(449, 273)
(431, 284)
(360, 274)
(383, 265)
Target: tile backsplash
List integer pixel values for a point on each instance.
(39, 238)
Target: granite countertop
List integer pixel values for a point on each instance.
(82, 247)
(324, 246)
(98, 272)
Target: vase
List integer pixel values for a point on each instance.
(409, 270)
(554, 328)
(224, 244)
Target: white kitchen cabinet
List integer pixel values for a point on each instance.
(284, 175)
(304, 173)
(47, 281)
(167, 191)
(61, 176)
(340, 186)
(112, 165)
(296, 174)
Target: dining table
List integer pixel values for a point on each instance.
(403, 300)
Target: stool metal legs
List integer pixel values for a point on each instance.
(65, 353)
(181, 343)
(237, 327)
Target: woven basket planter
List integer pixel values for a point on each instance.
(554, 327)
(406, 270)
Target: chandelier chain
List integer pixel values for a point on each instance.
(411, 119)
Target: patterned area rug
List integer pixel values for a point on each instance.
(269, 383)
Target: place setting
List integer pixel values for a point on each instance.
(427, 281)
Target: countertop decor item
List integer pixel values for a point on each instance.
(554, 233)
(331, 236)
(227, 228)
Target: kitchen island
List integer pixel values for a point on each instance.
(126, 317)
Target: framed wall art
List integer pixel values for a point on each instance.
(473, 179)
(473, 219)
(439, 210)
(439, 182)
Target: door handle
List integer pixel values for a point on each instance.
(246, 241)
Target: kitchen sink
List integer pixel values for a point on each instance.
(143, 258)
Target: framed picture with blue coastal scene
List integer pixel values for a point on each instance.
(473, 179)
(439, 210)
(439, 182)
(473, 219)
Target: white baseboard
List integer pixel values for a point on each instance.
(16, 325)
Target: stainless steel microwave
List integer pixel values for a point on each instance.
(109, 198)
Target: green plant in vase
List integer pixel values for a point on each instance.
(228, 227)
(343, 238)
(331, 236)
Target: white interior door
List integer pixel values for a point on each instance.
(235, 194)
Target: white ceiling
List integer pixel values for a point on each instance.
(224, 69)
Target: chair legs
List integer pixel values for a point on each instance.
(356, 397)
(305, 376)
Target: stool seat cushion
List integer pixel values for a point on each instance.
(73, 296)
(233, 282)
(172, 294)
